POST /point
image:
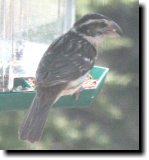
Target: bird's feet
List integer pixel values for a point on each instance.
(77, 94)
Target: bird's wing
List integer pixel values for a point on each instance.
(67, 59)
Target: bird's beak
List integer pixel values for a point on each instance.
(116, 28)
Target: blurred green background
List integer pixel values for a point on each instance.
(112, 122)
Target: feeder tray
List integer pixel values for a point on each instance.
(21, 100)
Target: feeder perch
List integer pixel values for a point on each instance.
(20, 100)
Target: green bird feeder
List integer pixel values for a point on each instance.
(20, 100)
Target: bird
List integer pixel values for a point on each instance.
(64, 66)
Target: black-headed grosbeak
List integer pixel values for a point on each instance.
(63, 68)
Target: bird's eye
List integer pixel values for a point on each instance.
(102, 24)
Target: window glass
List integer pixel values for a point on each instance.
(27, 27)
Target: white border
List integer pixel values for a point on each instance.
(108, 157)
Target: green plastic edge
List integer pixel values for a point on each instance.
(12, 101)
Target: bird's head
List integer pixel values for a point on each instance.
(96, 27)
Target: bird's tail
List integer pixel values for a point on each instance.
(33, 125)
